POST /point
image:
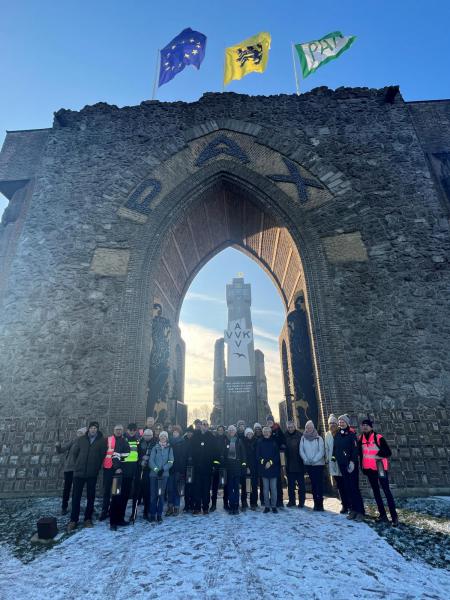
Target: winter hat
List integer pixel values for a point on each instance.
(332, 419)
(94, 424)
(148, 431)
(240, 422)
(368, 422)
(248, 430)
(345, 418)
(270, 418)
(164, 434)
(231, 428)
(257, 426)
(82, 430)
(132, 427)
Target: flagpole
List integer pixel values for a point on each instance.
(223, 73)
(295, 70)
(156, 75)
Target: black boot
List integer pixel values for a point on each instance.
(213, 507)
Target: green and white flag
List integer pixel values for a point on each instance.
(315, 54)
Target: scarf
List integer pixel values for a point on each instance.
(232, 449)
(311, 436)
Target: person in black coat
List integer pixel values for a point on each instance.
(252, 467)
(145, 446)
(235, 462)
(88, 454)
(221, 440)
(280, 439)
(295, 468)
(189, 487)
(268, 457)
(345, 453)
(204, 455)
(177, 471)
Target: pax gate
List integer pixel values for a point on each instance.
(337, 195)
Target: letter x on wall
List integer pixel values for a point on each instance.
(297, 179)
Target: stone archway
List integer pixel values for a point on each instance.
(226, 188)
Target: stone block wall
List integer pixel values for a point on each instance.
(29, 464)
(370, 227)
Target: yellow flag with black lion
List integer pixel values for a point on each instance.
(249, 56)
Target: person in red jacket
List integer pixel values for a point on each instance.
(374, 453)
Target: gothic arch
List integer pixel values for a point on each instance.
(230, 198)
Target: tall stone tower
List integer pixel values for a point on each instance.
(240, 388)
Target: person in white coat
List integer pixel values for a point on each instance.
(312, 451)
(333, 467)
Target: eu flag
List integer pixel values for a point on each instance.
(187, 48)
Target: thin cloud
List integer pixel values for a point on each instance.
(192, 296)
(203, 298)
(265, 312)
(265, 334)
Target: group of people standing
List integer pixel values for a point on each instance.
(157, 468)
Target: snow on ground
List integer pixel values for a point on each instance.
(290, 555)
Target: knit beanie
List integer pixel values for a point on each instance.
(257, 426)
(82, 430)
(248, 430)
(368, 422)
(94, 424)
(345, 418)
(332, 419)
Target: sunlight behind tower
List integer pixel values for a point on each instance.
(204, 317)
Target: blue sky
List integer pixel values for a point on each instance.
(69, 54)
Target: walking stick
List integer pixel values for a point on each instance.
(136, 497)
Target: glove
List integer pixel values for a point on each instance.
(144, 463)
(351, 467)
(268, 465)
(333, 459)
(160, 472)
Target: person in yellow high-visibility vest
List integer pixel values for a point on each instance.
(130, 467)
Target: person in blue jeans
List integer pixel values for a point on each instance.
(268, 457)
(177, 471)
(235, 463)
(160, 462)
